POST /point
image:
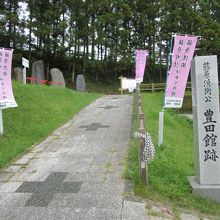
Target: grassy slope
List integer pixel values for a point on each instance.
(41, 109)
(174, 160)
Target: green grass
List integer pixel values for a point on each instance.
(173, 163)
(99, 87)
(40, 110)
(187, 104)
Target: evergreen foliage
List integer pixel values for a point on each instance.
(99, 37)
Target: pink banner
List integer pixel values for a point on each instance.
(141, 56)
(6, 93)
(183, 50)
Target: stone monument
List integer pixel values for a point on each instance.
(18, 74)
(205, 97)
(80, 83)
(57, 78)
(38, 72)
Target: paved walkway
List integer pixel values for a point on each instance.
(76, 173)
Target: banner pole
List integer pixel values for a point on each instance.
(161, 114)
(1, 123)
(24, 75)
(169, 63)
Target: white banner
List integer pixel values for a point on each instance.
(6, 94)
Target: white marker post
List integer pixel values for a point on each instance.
(24, 75)
(1, 123)
(160, 128)
(25, 63)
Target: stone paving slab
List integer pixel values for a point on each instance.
(16, 199)
(87, 201)
(8, 187)
(76, 172)
(134, 210)
(101, 188)
(81, 214)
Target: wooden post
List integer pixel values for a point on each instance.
(139, 108)
(142, 165)
(152, 87)
(138, 89)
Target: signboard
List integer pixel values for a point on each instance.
(129, 84)
(25, 62)
(6, 94)
(181, 57)
(140, 61)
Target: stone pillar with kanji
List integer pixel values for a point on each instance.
(206, 121)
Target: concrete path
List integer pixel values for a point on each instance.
(76, 173)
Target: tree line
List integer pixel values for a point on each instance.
(99, 37)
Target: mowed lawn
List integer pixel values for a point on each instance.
(41, 109)
(174, 160)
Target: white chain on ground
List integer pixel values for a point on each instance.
(149, 149)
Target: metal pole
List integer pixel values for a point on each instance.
(160, 129)
(1, 123)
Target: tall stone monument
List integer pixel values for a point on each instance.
(38, 72)
(57, 78)
(206, 123)
(80, 83)
(18, 74)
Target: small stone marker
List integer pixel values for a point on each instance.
(18, 74)
(43, 192)
(205, 97)
(38, 71)
(57, 78)
(94, 126)
(80, 83)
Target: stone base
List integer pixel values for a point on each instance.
(206, 191)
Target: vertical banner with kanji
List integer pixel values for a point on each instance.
(6, 94)
(140, 60)
(181, 57)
